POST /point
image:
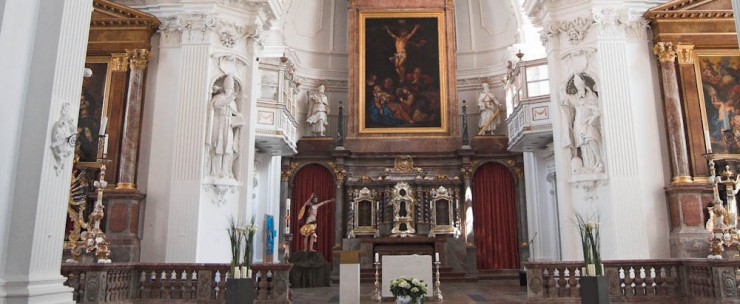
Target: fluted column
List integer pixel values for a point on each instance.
(138, 60)
(41, 81)
(666, 53)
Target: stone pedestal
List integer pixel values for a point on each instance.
(124, 212)
(687, 204)
(349, 277)
(310, 269)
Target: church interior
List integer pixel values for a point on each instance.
(362, 151)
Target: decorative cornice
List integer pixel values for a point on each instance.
(121, 15)
(231, 32)
(687, 9)
(665, 51)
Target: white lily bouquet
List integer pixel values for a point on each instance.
(591, 244)
(411, 287)
(241, 237)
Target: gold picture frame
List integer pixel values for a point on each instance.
(410, 49)
(719, 100)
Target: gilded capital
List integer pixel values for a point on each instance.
(685, 54)
(138, 58)
(665, 51)
(119, 62)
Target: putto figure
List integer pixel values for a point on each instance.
(308, 230)
(318, 110)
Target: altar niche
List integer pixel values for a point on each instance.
(403, 209)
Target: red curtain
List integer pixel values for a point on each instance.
(494, 218)
(310, 179)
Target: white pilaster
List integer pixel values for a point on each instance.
(198, 45)
(42, 53)
(608, 41)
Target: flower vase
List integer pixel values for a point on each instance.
(407, 300)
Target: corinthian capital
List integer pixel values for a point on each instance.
(665, 51)
(138, 58)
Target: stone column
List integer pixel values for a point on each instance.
(138, 60)
(467, 174)
(338, 216)
(666, 53)
(43, 58)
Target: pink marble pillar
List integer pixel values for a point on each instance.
(666, 53)
(138, 59)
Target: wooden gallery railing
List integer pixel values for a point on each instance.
(170, 283)
(653, 281)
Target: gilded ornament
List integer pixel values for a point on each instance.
(286, 174)
(685, 53)
(119, 62)
(138, 58)
(665, 51)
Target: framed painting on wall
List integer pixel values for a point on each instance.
(402, 72)
(92, 108)
(719, 93)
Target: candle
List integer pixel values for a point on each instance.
(237, 273)
(103, 124)
(249, 273)
(244, 272)
(436, 256)
(105, 144)
(377, 259)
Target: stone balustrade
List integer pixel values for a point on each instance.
(170, 283)
(651, 281)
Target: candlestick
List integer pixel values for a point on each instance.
(376, 291)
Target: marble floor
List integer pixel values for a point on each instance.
(458, 293)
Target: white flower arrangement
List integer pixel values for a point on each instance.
(412, 287)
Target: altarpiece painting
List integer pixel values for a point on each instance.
(717, 73)
(402, 73)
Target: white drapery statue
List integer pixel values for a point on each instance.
(582, 111)
(224, 121)
(489, 109)
(318, 111)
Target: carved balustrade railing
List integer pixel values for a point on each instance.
(652, 281)
(169, 283)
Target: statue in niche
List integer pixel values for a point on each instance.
(582, 112)
(224, 121)
(318, 111)
(489, 108)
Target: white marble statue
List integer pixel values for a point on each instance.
(63, 137)
(224, 123)
(318, 111)
(582, 112)
(488, 106)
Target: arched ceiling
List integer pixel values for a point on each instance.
(316, 33)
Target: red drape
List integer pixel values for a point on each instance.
(494, 218)
(310, 179)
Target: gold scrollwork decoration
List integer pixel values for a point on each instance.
(287, 173)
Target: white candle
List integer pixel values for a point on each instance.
(377, 259)
(105, 144)
(103, 124)
(244, 272)
(436, 256)
(237, 273)
(249, 273)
